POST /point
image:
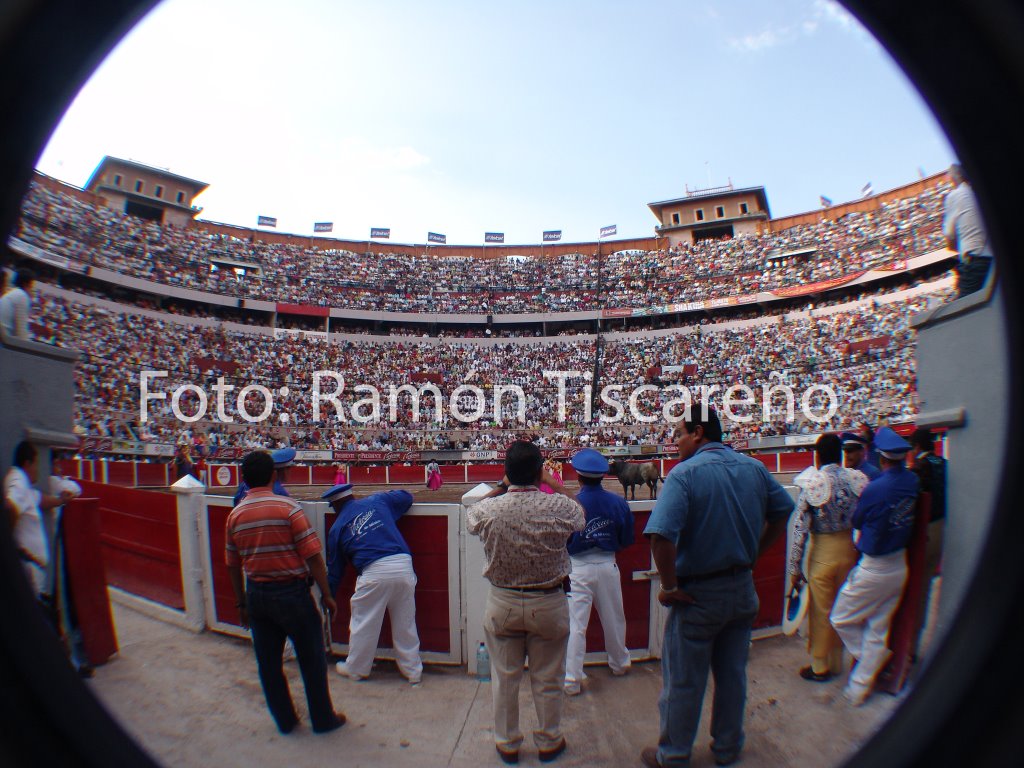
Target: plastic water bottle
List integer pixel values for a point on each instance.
(483, 664)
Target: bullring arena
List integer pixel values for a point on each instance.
(795, 303)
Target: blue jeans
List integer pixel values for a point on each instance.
(280, 610)
(713, 633)
(972, 273)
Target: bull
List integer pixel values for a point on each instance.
(632, 475)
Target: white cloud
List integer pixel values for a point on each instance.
(768, 38)
(822, 12)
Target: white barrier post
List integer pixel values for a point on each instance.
(190, 506)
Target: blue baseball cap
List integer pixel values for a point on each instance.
(283, 457)
(338, 492)
(891, 445)
(589, 463)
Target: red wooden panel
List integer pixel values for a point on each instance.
(84, 556)
(794, 462)
(323, 474)
(223, 594)
(568, 473)
(152, 474)
(139, 533)
(223, 475)
(485, 473)
(299, 476)
(636, 595)
(427, 537)
(666, 466)
(120, 473)
(400, 473)
(367, 475)
(770, 460)
(453, 473)
(770, 583)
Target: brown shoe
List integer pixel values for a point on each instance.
(649, 757)
(547, 755)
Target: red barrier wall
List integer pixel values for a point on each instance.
(139, 533)
(152, 474)
(427, 537)
(794, 462)
(636, 595)
(323, 474)
(86, 576)
(770, 460)
(769, 581)
(223, 594)
(485, 473)
(215, 475)
(400, 473)
(120, 473)
(367, 475)
(453, 473)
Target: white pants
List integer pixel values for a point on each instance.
(863, 611)
(388, 583)
(595, 581)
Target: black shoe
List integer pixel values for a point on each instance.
(547, 755)
(86, 671)
(339, 720)
(808, 673)
(507, 757)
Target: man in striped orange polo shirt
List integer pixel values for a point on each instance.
(270, 537)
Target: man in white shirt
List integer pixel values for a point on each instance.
(965, 233)
(26, 505)
(15, 304)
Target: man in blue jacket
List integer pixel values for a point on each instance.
(856, 450)
(283, 458)
(884, 519)
(594, 577)
(365, 534)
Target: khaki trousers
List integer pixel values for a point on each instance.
(517, 626)
(831, 558)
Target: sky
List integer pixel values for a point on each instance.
(461, 117)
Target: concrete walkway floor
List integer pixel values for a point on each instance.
(195, 700)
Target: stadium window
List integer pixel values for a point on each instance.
(159, 191)
(699, 214)
(138, 185)
(744, 209)
(181, 197)
(117, 180)
(720, 211)
(675, 218)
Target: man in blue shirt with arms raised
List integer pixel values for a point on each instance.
(717, 512)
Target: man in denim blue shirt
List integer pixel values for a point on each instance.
(717, 511)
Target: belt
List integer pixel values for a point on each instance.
(270, 584)
(543, 590)
(732, 570)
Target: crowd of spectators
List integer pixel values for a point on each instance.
(245, 267)
(876, 385)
